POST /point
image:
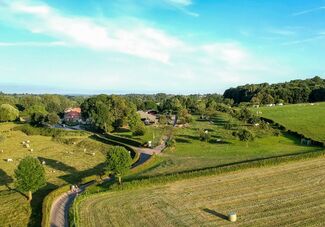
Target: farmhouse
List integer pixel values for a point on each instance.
(147, 117)
(72, 115)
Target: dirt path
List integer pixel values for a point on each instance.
(60, 209)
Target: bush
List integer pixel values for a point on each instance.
(204, 135)
(8, 113)
(139, 130)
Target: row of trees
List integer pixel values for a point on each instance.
(295, 91)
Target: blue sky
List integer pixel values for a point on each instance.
(150, 46)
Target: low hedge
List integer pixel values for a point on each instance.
(48, 202)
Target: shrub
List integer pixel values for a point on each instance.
(204, 135)
(8, 113)
(244, 135)
(139, 129)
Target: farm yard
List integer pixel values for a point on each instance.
(65, 159)
(191, 153)
(287, 194)
(306, 119)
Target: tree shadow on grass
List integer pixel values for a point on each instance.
(182, 140)
(5, 179)
(58, 165)
(215, 213)
(189, 137)
(77, 176)
(35, 218)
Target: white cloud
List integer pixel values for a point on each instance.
(308, 11)
(137, 39)
(159, 61)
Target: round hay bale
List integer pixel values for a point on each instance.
(232, 216)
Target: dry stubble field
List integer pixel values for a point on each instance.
(288, 194)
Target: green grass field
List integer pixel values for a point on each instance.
(191, 153)
(287, 194)
(65, 163)
(153, 133)
(305, 119)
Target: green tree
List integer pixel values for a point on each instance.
(184, 116)
(52, 118)
(109, 112)
(139, 129)
(244, 135)
(8, 113)
(30, 176)
(118, 161)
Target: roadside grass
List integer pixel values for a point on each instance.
(191, 153)
(66, 162)
(305, 119)
(286, 194)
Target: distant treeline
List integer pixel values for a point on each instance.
(295, 91)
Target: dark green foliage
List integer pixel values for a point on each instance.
(244, 134)
(118, 161)
(52, 118)
(109, 112)
(295, 91)
(30, 175)
(317, 95)
(8, 113)
(139, 129)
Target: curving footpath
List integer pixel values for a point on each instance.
(60, 209)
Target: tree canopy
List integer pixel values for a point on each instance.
(30, 176)
(118, 161)
(295, 91)
(8, 113)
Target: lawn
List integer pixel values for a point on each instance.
(306, 119)
(66, 162)
(192, 153)
(283, 195)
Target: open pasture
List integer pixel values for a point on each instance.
(66, 160)
(283, 195)
(306, 119)
(191, 153)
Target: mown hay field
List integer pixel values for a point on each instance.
(306, 119)
(289, 194)
(64, 164)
